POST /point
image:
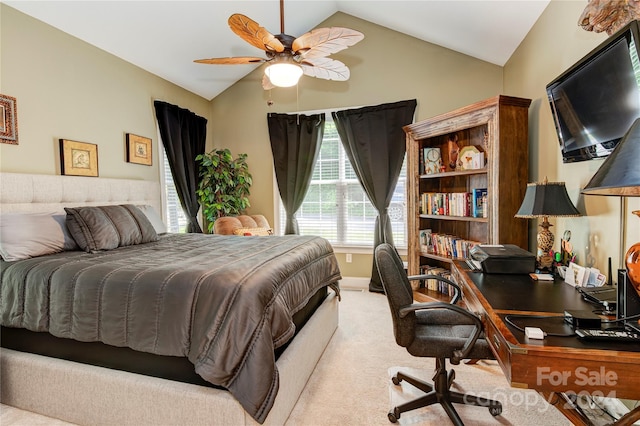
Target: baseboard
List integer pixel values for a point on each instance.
(355, 283)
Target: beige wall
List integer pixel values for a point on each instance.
(66, 88)
(386, 66)
(554, 44)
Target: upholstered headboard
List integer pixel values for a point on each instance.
(42, 193)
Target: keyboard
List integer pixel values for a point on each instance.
(610, 335)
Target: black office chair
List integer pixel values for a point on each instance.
(437, 329)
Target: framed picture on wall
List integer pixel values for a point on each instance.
(8, 120)
(78, 158)
(138, 150)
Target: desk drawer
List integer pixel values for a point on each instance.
(499, 346)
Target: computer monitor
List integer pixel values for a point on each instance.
(628, 301)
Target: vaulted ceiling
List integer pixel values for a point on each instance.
(164, 37)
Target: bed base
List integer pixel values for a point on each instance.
(85, 394)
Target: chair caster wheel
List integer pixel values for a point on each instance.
(495, 410)
(396, 381)
(393, 415)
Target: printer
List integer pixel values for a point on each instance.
(502, 259)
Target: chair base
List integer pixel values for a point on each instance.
(440, 393)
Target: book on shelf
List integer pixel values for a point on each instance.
(479, 202)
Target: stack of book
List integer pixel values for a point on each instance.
(446, 203)
(444, 244)
(435, 284)
(462, 204)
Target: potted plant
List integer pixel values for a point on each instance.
(224, 184)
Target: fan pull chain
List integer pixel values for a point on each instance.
(297, 99)
(270, 101)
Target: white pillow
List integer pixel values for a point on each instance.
(25, 235)
(154, 218)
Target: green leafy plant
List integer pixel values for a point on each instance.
(224, 184)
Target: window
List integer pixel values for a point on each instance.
(176, 220)
(337, 208)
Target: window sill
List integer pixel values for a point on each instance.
(363, 250)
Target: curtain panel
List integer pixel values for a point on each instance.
(295, 144)
(374, 141)
(184, 136)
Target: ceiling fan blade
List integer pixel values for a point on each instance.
(322, 42)
(326, 68)
(251, 32)
(238, 60)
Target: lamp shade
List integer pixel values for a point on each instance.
(620, 173)
(284, 74)
(546, 199)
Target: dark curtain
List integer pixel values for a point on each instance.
(183, 135)
(374, 141)
(295, 143)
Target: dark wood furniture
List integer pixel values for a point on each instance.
(554, 366)
(499, 127)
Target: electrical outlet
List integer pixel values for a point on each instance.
(349, 258)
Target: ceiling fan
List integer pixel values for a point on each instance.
(289, 57)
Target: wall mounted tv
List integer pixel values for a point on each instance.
(596, 100)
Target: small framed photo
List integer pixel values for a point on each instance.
(576, 275)
(138, 150)
(78, 158)
(8, 120)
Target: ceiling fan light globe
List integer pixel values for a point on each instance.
(284, 74)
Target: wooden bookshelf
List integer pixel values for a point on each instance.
(498, 127)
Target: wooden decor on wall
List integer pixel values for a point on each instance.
(609, 16)
(138, 149)
(8, 120)
(78, 158)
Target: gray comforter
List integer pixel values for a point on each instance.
(224, 302)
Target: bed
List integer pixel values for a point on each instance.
(153, 306)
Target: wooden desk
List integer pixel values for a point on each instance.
(556, 365)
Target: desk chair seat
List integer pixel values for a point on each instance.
(438, 330)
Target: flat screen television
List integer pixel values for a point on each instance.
(594, 102)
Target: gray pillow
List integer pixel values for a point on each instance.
(25, 235)
(109, 227)
(154, 218)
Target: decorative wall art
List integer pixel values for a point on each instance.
(138, 149)
(78, 158)
(8, 120)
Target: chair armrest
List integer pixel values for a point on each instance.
(459, 354)
(456, 288)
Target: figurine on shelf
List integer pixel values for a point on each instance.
(567, 248)
(454, 149)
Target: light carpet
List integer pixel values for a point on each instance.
(351, 384)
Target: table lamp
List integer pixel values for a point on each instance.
(546, 199)
(619, 175)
